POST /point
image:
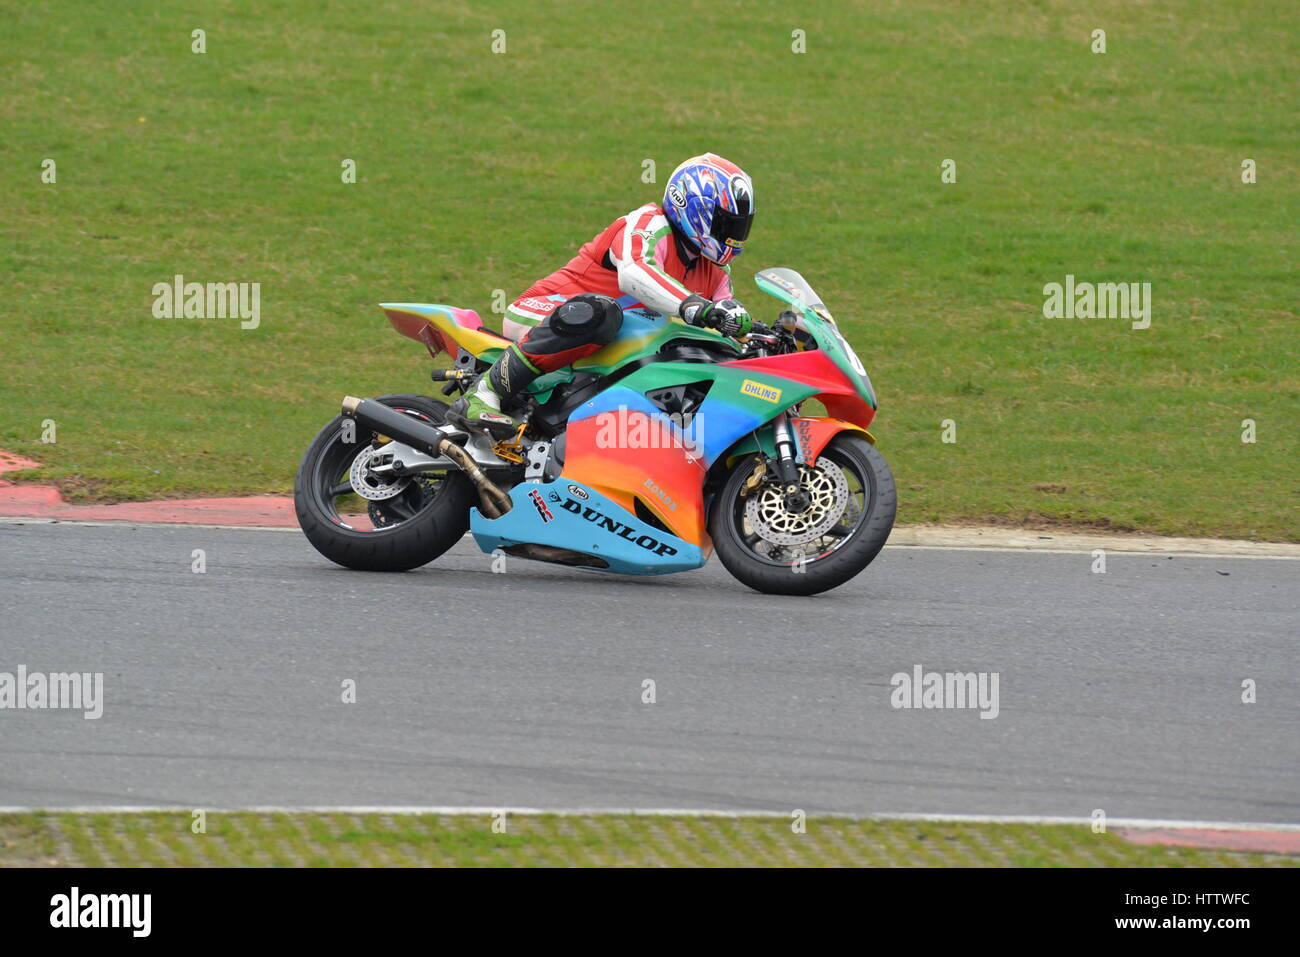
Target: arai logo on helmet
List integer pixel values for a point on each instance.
(578, 492)
(676, 196)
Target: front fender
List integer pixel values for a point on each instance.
(812, 434)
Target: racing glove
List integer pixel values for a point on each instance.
(726, 315)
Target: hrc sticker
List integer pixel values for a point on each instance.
(546, 514)
(760, 391)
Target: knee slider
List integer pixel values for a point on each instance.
(589, 316)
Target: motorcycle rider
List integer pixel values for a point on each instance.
(671, 257)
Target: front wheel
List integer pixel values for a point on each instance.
(852, 502)
(358, 518)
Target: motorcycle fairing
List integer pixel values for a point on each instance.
(644, 332)
(449, 329)
(444, 328)
(842, 396)
(566, 514)
(790, 287)
(630, 450)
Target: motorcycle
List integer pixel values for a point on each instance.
(669, 444)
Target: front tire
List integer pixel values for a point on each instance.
(411, 528)
(782, 553)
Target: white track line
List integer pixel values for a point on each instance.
(1111, 822)
(23, 520)
(1113, 550)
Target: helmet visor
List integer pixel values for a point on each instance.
(731, 229)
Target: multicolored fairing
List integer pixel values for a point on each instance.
(645, 333)
(854, 399)
(642, 455)
(577, 518)
(445, 329)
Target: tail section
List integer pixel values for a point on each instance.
(444, 329)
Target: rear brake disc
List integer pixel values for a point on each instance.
(370, 486)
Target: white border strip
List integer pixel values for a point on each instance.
(397, 810)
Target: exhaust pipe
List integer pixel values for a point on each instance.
(380, 418)
(493, 502)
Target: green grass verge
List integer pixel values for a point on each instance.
(604, 840)
(481, 171)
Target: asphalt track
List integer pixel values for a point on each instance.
(1118, 691)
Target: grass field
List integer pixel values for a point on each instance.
(549, 840)
(479, 171)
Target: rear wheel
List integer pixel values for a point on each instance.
(774, 550)
(362, 520)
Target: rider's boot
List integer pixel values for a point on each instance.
(577, 328)
(482, 409)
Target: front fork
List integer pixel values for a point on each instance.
(787, 469)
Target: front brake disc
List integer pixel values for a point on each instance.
(828, 494)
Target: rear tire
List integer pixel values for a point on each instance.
(424, 521)
(859, 534)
